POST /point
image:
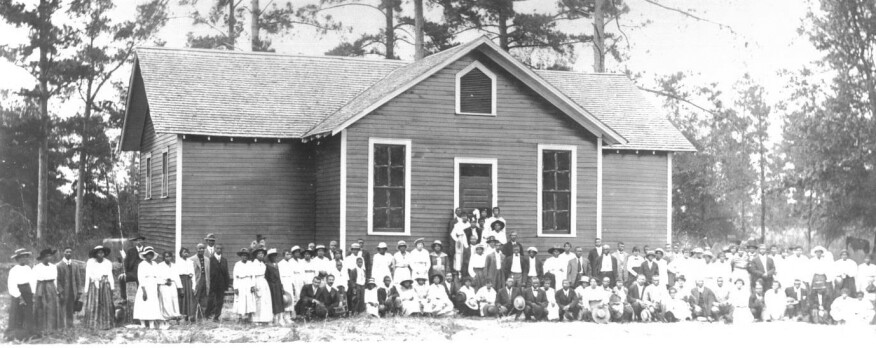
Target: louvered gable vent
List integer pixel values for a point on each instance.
(476, 89)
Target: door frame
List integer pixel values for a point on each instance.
(494, 172)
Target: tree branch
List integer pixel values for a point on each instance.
(676, 97)
(690, 15)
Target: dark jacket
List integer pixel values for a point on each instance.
(650, 272)
(508, 248)
(705, 299)
(219, 276)
(506, 265)
(593, 256)
(320, 295)
(563, 300)
(502, 298)
(758, 270)
(132, 261)
(635, 293)
(540, 299)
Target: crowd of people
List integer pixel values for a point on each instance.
(489, 273)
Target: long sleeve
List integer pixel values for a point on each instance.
(13, 280)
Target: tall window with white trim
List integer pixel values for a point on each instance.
(557, 190)
(148, 177)
(164, 174)
(389, 186)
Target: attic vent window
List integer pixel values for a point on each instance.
(476, 90)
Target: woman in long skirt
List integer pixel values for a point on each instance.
(146, 305)
(168, 288)
(439, 303)
(99, 307)
(264, 310)
(20, 282)
(372, 302)
(244, 296)
(739, 299)
(775, 302)
(275, 286)
(46, 309)
(185, 271)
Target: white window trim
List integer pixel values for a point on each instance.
(165, 188)
(472, 160)
(573, 205)
(147, 161)
(370, 211)
(669, 198)
(490, 74)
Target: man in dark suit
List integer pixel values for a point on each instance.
(534, 266)
(512, 244)
(219, 282)
(128, 283)
(568, 302)
(799, 309)
(71, 282)
(515, 265)
(505, 298)
(593, 255)
(702, 300)
(474, 229)
(202, 264)
(606, 266)
(650, 268)
(635, 294)
(578, 266)
(366, 255)
(536, 301)
(313, 300)
(762, 268)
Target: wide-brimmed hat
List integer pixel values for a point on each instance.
(697, 250)
(437, 242)
(650, 253)
(437, 275)
(532, 249)
(310, 252)
(146, 251)
(94, 251)
(819, 248)
(371, 281)
(271, 251)
(751, 245)
(709, 254)
(210, 236)
(479, 246)
(519, 303)
(401, 243)
(243, 251)
(256, 250)
(492, 239)
(320, 246)
(402, 282)
(423, 277)
(556, 247)
(659, 250)
(294, 249)
(420, 240)
(287, 299)
(46, 252)
(381, 245)
(498, 222)
(601, 315)
(136, 238)
(19, 253)
(584, 279)
(355, 246)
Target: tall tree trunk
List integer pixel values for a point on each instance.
(762, 184)
(503, 29)
(43, 175)
(232, 21)
(254, 25)
(599, 37)
(390, 29)
(419, 49)
(83, 157)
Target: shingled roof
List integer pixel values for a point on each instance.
(263, 95)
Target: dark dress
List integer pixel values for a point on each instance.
(21, 320)
(272, 276)
(47, 312)
(99, 308)
(187, 303)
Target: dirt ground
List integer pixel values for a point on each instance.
(465, 330)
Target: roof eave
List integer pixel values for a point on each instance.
(121, 145)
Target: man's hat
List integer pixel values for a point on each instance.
(697, 250)
(381, 245)
(371, 281)
(709, 254)
(320, 246)
(646, 315)
(519, 303)
(532, 249)
(751, 245)
(498, 222)
(460, 297)
(659, 250)
(584, 279)
(294, 249)
(401, 243)
(479, 246)
(601, 315)
(19, 253)
(271, 251)
(819, 248)
(556, 247)
(210, 237)
(650, 253)
(94, 251)
(287, 299)
(355, 246)
(245, 251)
(492, 239)
(491, 311)
(134, 239)
(46, 252)
(146, 251)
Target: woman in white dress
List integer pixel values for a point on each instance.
(287, 277)
(372, 304)
(264, 312)
(776, 302)
(739, 297)
(439, 303)
(381, 263)
(168, 283)
(401, 262)
(460, 241)
(297, 272)
(553, 309)
(184, 270)
(244, 295)
(147, 308)
(410, 303)
(419, 260)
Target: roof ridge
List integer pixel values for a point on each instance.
(399, 62)
(581, 72)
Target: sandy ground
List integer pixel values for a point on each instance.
(463, 330)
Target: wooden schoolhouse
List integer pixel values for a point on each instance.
(303, 148)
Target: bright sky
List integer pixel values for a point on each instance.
(764, 40)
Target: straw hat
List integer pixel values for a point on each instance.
(19, 253)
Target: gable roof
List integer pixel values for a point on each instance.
(265, 95)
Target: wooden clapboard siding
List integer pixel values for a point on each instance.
(634, 198)
(157, 215)
(237, 190)
(426, 115)
(327, 158)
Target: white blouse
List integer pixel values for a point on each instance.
(184, 267)
(476, 261)
(20, 275)
(164, 272)
(95, 271)
(43, 272)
